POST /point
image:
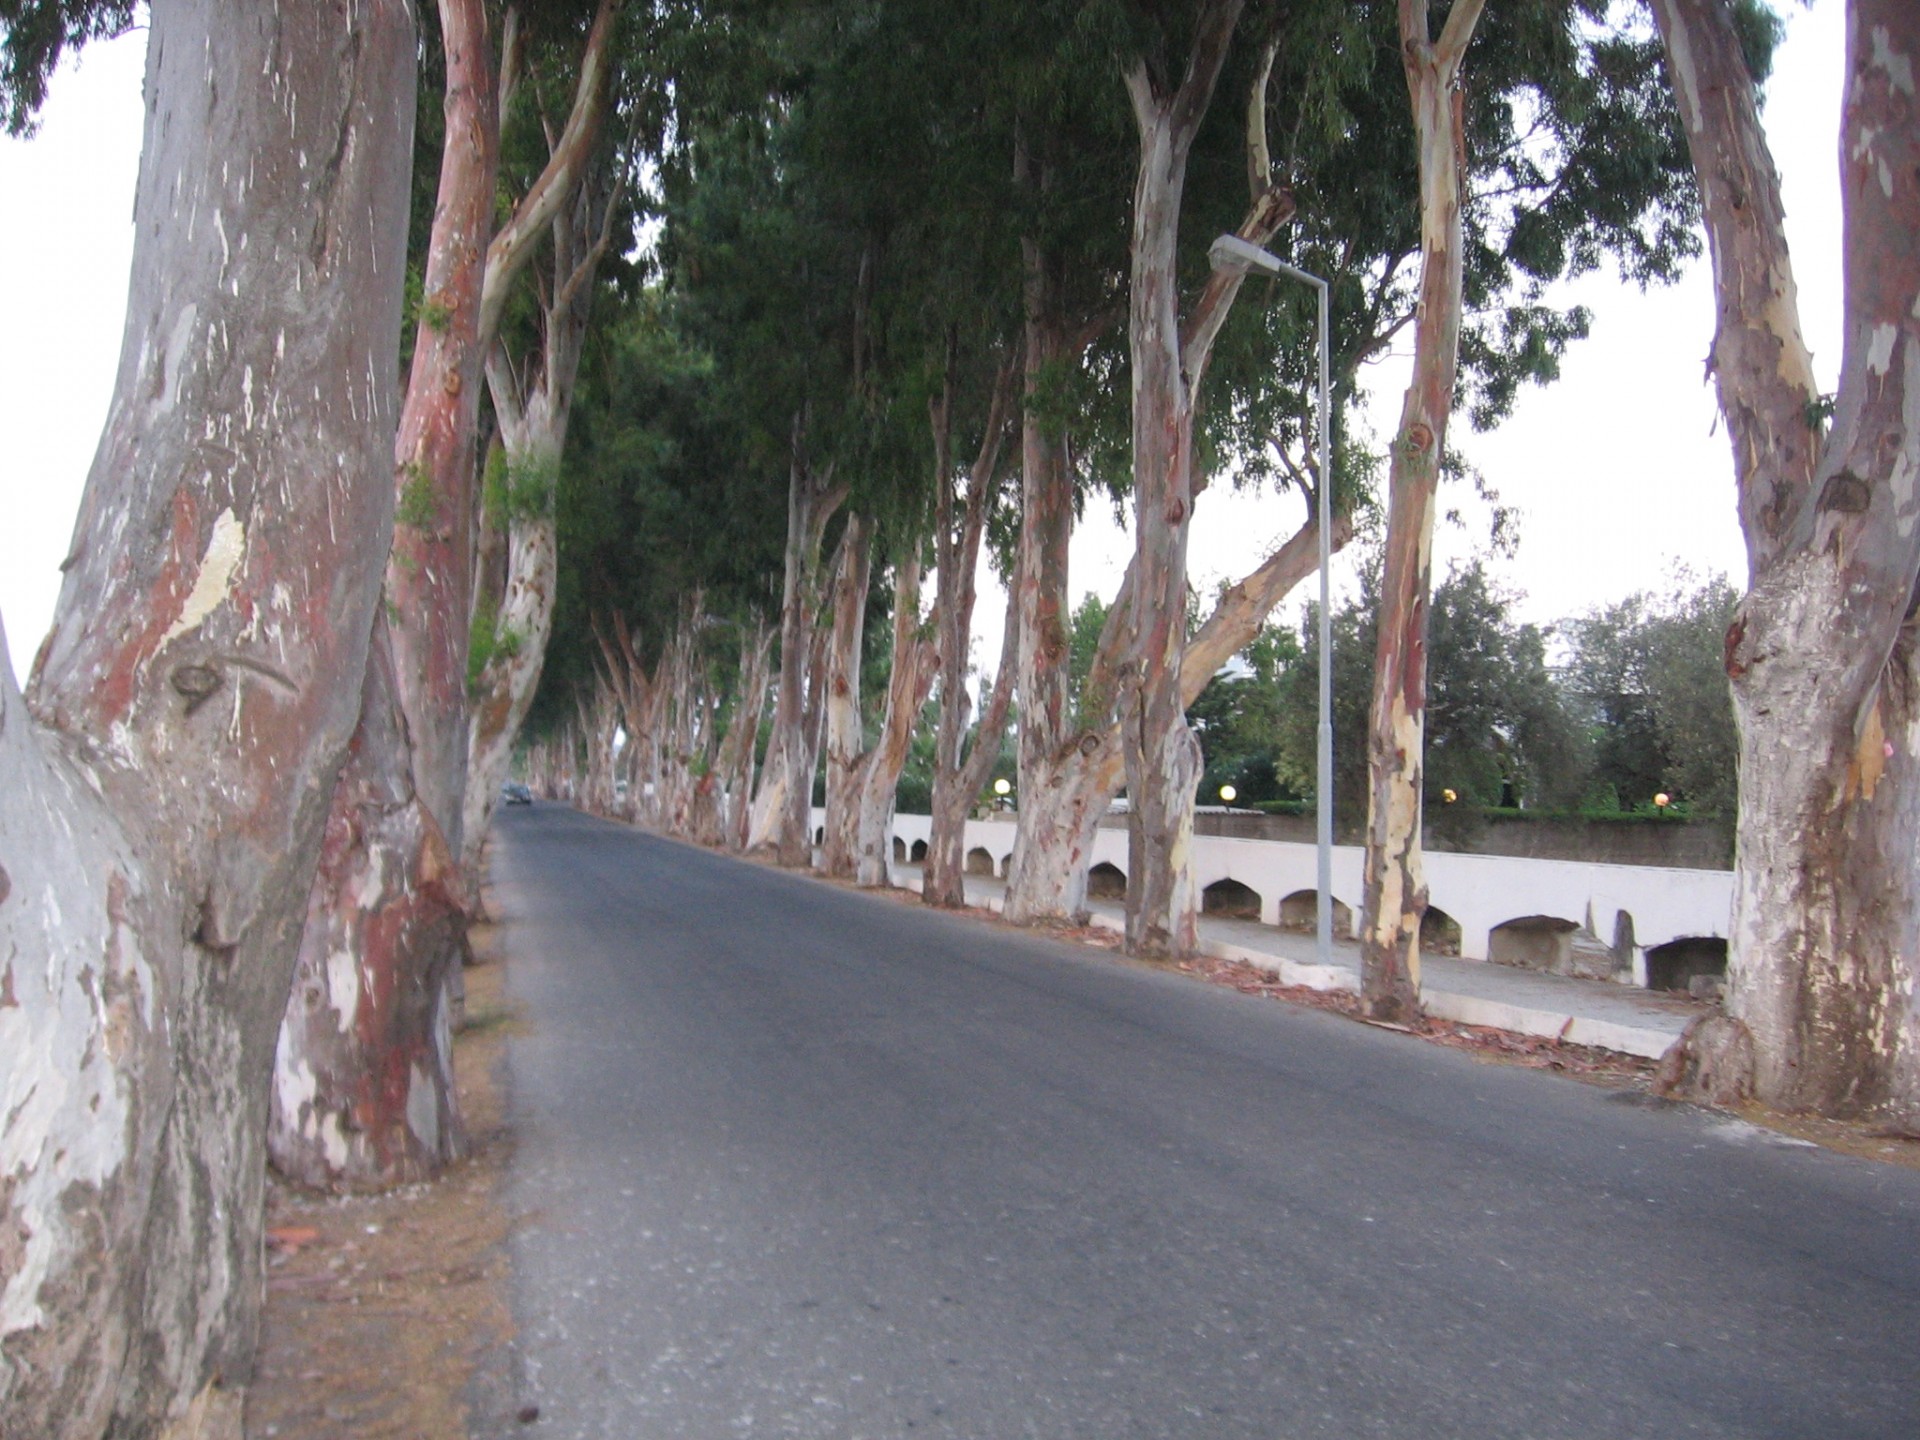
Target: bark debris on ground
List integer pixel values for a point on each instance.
(387, 1315)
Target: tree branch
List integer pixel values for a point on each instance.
(515, 240)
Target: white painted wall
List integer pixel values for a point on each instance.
(1478, 891)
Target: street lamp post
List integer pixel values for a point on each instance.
(1230, 252)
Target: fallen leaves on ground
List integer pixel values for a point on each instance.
(386, 1316)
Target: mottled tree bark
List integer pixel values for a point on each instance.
(877, 772)
(846, 726)
(1826, 923)
(959, 773)
(1170, 352)
(1394, 887)
(532, 402)
(784, 799)
(1161, 754)
(736, 762)
(362, 1093)
(167, 792)
(1047, 853)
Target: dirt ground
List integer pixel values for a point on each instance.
(386, 1315)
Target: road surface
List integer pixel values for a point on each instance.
(799, 1162)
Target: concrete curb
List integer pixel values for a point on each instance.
(1645, 1041)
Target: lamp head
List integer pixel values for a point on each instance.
(1230, 252)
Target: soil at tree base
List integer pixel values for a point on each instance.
(386, 1315)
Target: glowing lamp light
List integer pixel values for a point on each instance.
(1002, 785)
(1662, 800)
(1449, 796)
(1228, 794)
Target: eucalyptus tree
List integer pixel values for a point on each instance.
(659, 500)
(1553, 148)
(168, 776)
(913, 160)
(1074, 749)
(1826, 920)
(363, 1092)
(532, 369)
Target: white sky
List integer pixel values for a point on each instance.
(1619, 471)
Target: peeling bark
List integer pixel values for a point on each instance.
(784, 799)
(1826, 920)
(958, 776)
(166, 795)
(846, 735)
(1394, 887)
(1040, 877)
(363, 1094)
(385, 906)
(1161, 754)
(533, 402)
(735, 764)
(910, 682)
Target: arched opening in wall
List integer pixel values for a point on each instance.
(1695, 963)
(979, 861)
(1301, 911)
(899, 850)
(919, 852)
(1230, 900)
(1006, 867)
(820, 836)
(1107, 881)
(1533, 942)
(1439, 932)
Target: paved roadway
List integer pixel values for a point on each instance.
(798, 1162)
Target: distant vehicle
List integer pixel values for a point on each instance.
(514, 793)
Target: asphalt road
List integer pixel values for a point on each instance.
(799, 1162)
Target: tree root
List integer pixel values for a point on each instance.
(1710, 1064)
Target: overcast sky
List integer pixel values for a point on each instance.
(1619, 472)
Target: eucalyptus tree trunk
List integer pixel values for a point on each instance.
(1160, 752)
(1047, 850)
(363, 1075)
(1825, 941)
(736, 760)
(1091, 783)
(638, 699)
(1133, 716)
(846, 726)
(533, 402)
(599, 714)
(781, 805)
(685, 719)
(877, 773)
(363, 1094)
(1394, 890)
(167, 788)
(958, 773)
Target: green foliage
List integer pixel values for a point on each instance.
(1237, 720)
(419, 503)
(488, 640)
(525, 486)
(1648, 675)
(34, 34)
(1497, 730)
(435, 315)
(1083, 641)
